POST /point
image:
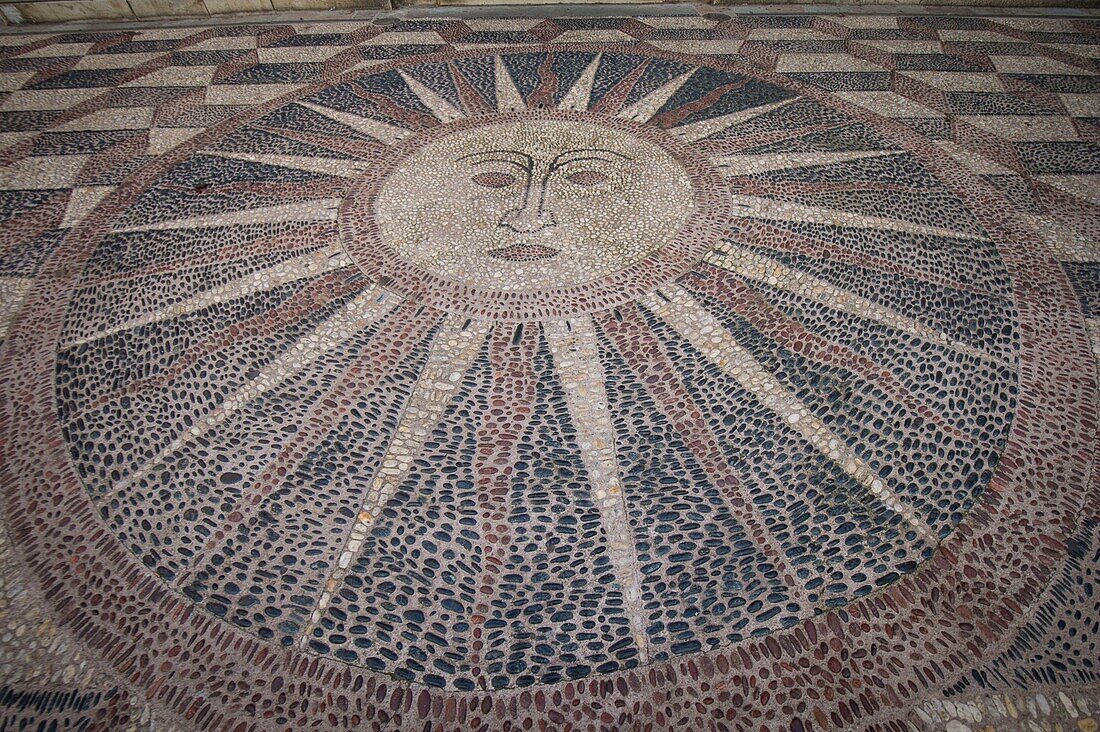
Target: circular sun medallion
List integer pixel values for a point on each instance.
(533, 214)
(474, 372)
(532, 204)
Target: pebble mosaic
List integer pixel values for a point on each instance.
(605, 374)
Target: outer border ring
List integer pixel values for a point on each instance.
(935, 624)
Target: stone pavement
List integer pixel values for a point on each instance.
(653, 372)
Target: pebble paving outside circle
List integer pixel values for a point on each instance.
(491, 371)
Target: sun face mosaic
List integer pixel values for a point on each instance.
(556, 370)
(531, 205)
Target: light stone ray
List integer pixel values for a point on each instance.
(306, 265)
(336, 167)
(765, 208)
(376, 129)
(443, 110)
(734, 165)
(753, 266)
(644, 109)
(390, 344)
(685, 315)
(366, 308)
(579, 96)
(450, 357)
(576, 358)
(708, 127)
(648, 360)
(324, 209)
(508, 97)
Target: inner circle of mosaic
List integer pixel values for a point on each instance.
(778, 411)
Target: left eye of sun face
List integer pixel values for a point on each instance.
(586, 178)
(494, 179)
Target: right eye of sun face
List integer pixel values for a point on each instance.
(586, 178)
(494, 179)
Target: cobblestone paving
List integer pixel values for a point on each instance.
(667, 372)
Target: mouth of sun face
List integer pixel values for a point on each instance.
(524, 253)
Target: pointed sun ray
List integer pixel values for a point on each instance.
(707, 127)
(750, 140)
(644, 109)
(324, 209)
(377, 129)
(443, 110)
(512, 350)
(707, 335)
(580, 94)
(470, 98)
(318, 234)
(325, 166)
(766, 208)
(320, 291)
(343, 145)
(307, 265)
(748, 264)
(576, 358)
(788, 240)
(735, 165)
(403, 328)
(366, 308)
(508, 97)
(726, 288)
(788, 190)
(645, 356)
(451, 355)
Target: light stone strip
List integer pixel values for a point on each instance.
(443, 110)
(39, 172)
(1069, 709)
(753, 266)
(13, 291)
(368, 307)
(766, 208)
(644, 109)
(706, 334)
(1065, 243)
(508, 97)
(163, 139)
(376, 129)
(579, 96)
(451, 355)
(82, 199)
(1083, 186)
(324, 209)
(336, 167)
(1093, 327)
(576, 358)
(705, 128)
(306, 265)
(734, 165)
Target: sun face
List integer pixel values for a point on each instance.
(529, 205)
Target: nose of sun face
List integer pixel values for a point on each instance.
(528, 219)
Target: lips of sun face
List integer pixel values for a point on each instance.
(524, 252)
(533, 205)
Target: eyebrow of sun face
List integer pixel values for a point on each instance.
(601, 154)
(528, 163)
